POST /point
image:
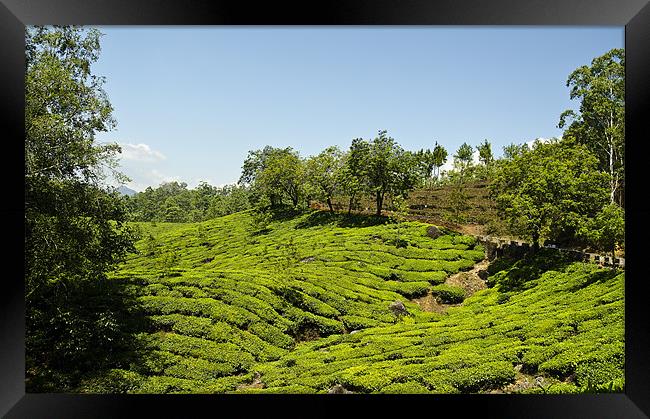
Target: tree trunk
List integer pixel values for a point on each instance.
(380, 199)
(329, 204)
(535, 236)
(612, 182)
(350, 204)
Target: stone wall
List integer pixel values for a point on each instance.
(496, 247)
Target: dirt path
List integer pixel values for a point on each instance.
(470, 281)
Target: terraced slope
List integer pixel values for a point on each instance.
(306, 304)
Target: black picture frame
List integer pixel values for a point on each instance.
(16, 14)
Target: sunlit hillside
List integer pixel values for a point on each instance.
(310, 302)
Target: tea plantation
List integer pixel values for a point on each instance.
(302, 302)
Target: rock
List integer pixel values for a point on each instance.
(483, 274)
(339, 389)
(354, 331)
(434, 232)
(398, 308)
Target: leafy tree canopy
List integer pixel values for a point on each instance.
(74, 227)
(600, 122)
(549, 192)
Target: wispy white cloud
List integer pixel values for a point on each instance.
(141, 178)
(140, 152)
(157, 177)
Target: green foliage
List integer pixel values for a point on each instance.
(485, 153)
(550, 191)
(260, 220)
(512, 150)
(168, 261)
(409, 387)
(458, 202)
(398, 215)
(463, 157)
(274, 175)
(439, 157)
(449, 294)
(213, 326)
(323, 174)
(388, 168)
(600, 123)
(607, 229)
(173, 202)
(483, 377)
(75, 227)
(151, 245)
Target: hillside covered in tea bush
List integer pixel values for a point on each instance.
(305, 301)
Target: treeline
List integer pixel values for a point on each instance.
(572, 191)
(374, 168)
(274, 177)
(173, 202)
(569, 191)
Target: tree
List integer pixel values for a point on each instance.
(485, 153)
(600, 123)
(253, 166)
(353, 173)
(172, 211)
(273, 173)
(607, 229)
(513, 150)
(439, 158)
(74, 226)
(463, 157)
(201, 197)
(282, 175)
(173, 202)
(407, 174)
(228, 200)
(549, 192)
(385, 172)
(323, 173)
(425, 162)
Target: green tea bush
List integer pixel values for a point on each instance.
(598, 373)
(357, 322)
(482, 377)
(449, 294)
(212, 325)
(409, 387)
(115, 381)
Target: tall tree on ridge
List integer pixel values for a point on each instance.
(600, 124)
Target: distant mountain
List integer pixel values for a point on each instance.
(126, 191)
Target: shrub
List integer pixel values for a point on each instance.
(116, 381)
(597, 373)
(483, 377)
(449, 294)
(409, 387)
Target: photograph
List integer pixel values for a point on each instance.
(325, 209)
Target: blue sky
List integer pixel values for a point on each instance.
(191, 101)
